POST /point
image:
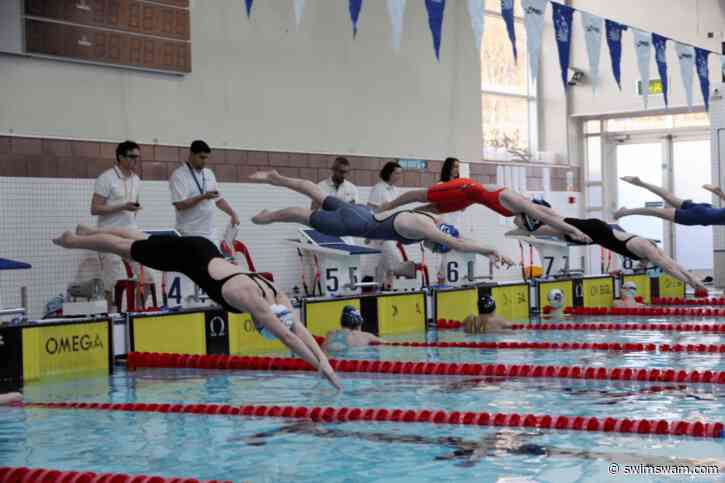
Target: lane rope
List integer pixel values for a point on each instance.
(44, 475)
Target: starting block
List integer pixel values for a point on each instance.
(554, 254)
(339, 261)
(6, 264)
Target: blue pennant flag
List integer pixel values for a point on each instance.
(703, 73)
(248, 4)
(507, 11)
(355, 6)
(563, 16)
(660, 45)
(614, 41)
(435, 20)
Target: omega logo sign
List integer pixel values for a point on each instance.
(217, 327)
(75, 343)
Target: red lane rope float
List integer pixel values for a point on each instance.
(42, 475)
(330, 414)
(683, 301)
(604, 346)
(709, 328)
(154, 359)
(645, 311)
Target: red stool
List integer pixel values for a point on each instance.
(129, 287)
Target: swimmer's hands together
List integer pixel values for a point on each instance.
(327, 371)
(500, 260)
(579, 236)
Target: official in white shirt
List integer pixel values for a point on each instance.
(337, 185)
(390, 261)
(194, 191)
(116, 201)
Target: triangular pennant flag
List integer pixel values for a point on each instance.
(703, 73)
(686, 56)
(477, 11)
(507, 12)
(248, 5)
(534, 22)
(396, 10)
(722, 68)
(563, 15)
(643, 51)
(614, 41)
(355, 6)
(593, 27)
(299, 10)
(435, 21)
(660, 45)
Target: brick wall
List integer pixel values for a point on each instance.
(54, 158)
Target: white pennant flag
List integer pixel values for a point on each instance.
(643, 49)
(686, 55)
(299, 9)
(477, 11)
(593, 28)
(396, 10)
(534, 11)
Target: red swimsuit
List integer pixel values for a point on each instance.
(461, 193)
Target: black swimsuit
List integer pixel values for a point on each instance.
(601, 234)
(190, 255)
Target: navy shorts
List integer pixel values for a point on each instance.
(699, 214)
(340, 218)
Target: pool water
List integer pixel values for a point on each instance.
(276, 449)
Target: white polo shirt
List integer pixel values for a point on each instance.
(185, 183)
(346, 191)
(382, 192)
(117, 189)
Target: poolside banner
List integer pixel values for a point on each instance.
(401, 313)
(436, 8)
(354, 7)
(456, 304)
(11, 355)
(660, 45)
(703, 73)
(686, 55)
(594, 292)
(643, 50)
(512, 301)
(593, 27)
(562, 16)
(534, 22)
(396, 11)
(614, 42)
(299, 7)
(248, 5)
(322, 316)
(216, 331)
(477, 11)
(245, 340)
(507, 12)
(176, 333)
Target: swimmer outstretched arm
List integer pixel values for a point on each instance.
(516, 203)
(431, 233)
(646, 250)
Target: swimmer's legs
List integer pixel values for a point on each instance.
(303, 186)
(129, 233)
(286, 215)
(664, 213)
(670, 198)
(412, 196)
(101, 242)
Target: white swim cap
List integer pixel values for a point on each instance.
(556, 298)
(629, 285)
(283, 314)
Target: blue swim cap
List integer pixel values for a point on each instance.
(486, 305)
(449, 230)
(351, 317)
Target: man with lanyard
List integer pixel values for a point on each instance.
(337, 185)
(193, 187)
(116, 202)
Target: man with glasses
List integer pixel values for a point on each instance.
(337, 185)
(116, 202)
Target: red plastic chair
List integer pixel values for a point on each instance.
(240, 247)
(129, 287)
(419, 267)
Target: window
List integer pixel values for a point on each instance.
(508, 98)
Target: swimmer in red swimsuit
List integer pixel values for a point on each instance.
(459, 194)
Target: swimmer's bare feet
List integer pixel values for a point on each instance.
(635, 180)
(82, 229)
(712, 188)
(64, 240)
(623, 211)
(262, 218)
(271, 177)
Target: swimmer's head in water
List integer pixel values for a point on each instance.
(449, 230)
(351, 318)
(531, 223)
(486, 305)
(629, 289)
(283, 314)
(555, 298)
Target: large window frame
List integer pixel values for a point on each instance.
(531, 94)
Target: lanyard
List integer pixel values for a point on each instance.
(125, 180)
(202, 186)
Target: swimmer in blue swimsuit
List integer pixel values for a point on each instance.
(682, 212)
(340, 218)
(351, 333)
